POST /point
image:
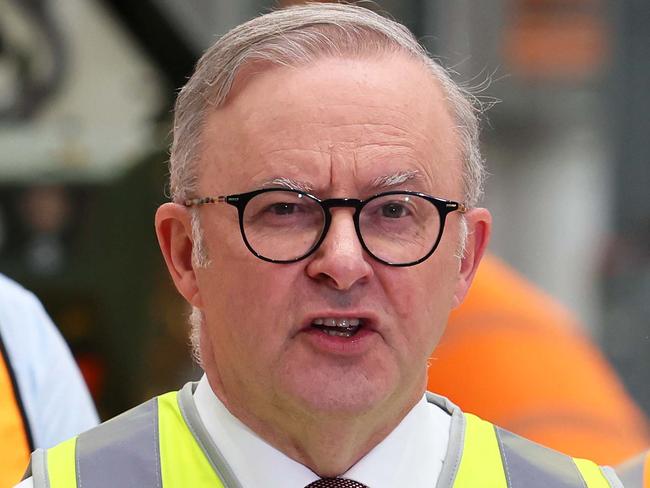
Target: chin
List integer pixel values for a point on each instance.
(344, 395)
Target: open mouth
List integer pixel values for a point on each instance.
(340, 327)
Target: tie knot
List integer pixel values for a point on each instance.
(335, 483)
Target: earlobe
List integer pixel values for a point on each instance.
(479, 226)
(174, 232)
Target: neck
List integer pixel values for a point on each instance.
(327, 443)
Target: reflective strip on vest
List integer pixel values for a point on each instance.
(121, 452)
(636, 472)
(530, 465)
(495, 458)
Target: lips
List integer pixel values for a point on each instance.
(343, 334)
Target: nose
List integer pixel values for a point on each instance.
(340, 261)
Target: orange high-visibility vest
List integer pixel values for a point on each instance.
(515, 357)
(15, 438)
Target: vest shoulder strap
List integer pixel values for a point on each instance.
(495, 457)
(121, 452)
(480, 462)
(184, 462)
(133, 449)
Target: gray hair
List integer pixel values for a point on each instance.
(296, 36)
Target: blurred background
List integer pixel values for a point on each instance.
(86, 89)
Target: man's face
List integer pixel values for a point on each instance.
(342, 128)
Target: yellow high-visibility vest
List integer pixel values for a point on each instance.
(162, 443)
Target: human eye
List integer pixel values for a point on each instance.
(275, 209)
(284, 211)
(282, 208)
(394, 210)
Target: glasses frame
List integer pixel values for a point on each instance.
(240, 200)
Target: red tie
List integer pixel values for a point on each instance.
(335, 483)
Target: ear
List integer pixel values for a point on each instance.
(479, 227)
(174, 231)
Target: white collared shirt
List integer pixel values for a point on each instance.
(411, 455)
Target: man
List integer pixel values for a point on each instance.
(43, 397)
(325, 175)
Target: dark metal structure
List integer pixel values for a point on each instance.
(627, 271)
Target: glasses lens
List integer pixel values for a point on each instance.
(282, 225)
(399, 228)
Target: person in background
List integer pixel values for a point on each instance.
(325, 177)
(516, 357)
(43, 397)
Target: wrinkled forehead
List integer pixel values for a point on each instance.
(369, 117)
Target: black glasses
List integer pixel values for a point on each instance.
(398, 228)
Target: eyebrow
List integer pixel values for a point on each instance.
(380, 183)
(395, 179)
(289, 183)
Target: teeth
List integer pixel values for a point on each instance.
(344, 323)
(339, 333)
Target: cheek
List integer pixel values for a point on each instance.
(421, 300)
(237, 283)
(421, 290)
(249, 294)
(245, 309)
